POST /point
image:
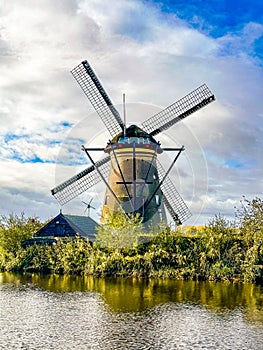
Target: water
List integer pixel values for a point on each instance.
(67, 312)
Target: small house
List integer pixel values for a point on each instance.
(69, 226)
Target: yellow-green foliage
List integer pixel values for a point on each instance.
(14, 230)
(120, 231)
(218, 251)
(250, 217)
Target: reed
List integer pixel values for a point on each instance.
(219, 251)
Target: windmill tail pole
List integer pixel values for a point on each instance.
(102, 177)
(121, 173)
(165, 176)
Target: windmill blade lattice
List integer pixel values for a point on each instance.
(81, 182)
(132, 165)
(172, 199)
(98, 97)
(187, 105)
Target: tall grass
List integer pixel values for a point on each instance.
(219, 251)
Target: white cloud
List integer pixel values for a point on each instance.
(153, 58)
(242, 43)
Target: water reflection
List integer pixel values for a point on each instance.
(138, 295)
(72, 312)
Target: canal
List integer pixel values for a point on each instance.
(73, 312)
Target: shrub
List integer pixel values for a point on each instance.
(218, 251)
(120, 231)
(14, 230)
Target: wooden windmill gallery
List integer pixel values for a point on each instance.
(136, 182)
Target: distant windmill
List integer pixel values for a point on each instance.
(88, 206)
(135, 180)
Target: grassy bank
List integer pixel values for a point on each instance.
(218, 251)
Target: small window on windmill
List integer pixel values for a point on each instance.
(157, 199)
(107, 198)
(154, 176)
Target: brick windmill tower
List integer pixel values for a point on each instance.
(136, 182)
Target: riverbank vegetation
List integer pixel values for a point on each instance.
(219, 251)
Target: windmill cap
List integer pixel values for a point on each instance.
(134, 131)
(133, 136)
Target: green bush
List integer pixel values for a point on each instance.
(120, 231)
(219, 251)
(14, 230)
(250, 217)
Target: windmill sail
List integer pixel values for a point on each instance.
(81, 182)
(137, 181)
(172, 199)
(187, 105)
(98, 97)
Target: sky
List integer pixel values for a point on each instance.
(153, 51)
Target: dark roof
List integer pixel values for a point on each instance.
(84, 225)
(69, 226)
(134, 131)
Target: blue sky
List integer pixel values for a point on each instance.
(155, 52)
(214, 17)
(218, 18)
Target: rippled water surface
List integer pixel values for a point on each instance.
(63, 312)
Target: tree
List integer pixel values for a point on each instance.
(120, 231)
(14, 230)
(250, 217)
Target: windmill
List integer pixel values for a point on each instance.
(135, 180)
(88, 206)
